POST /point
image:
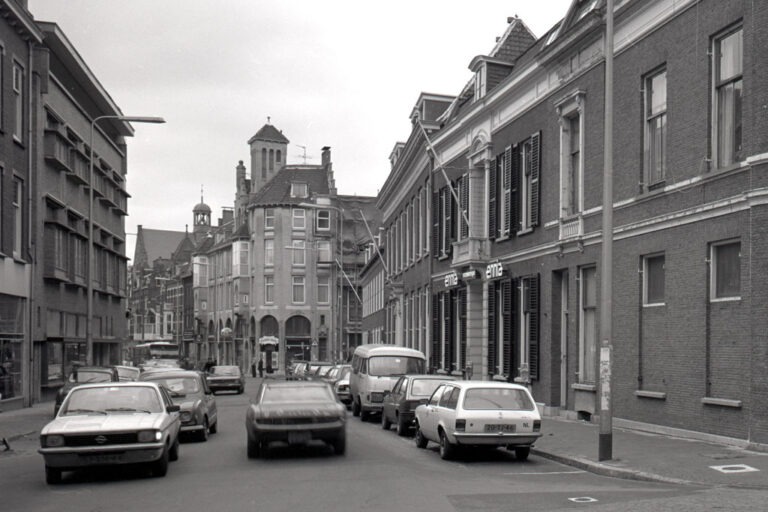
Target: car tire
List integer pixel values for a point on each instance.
(447, 449)
(240, 391)
(522, 453)
(214, 428)
(173, 455)
(364, 415)
(402, 426)
(202, 435)
(355, 408)
(340, 444)
(254, 448)
(385, 423)
(160, 466)
(421, 441)
(52, 475)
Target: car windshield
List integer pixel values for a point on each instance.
(296, 394)
(85, 376)
(345, 373)
(128, 373)
(323, 370)
(395, 365)
(113, 399)
(424, 387)
(178, 386)
(498, 398)
(226, 370)
(333, 373)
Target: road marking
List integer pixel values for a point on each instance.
(734, 468)
(583, 499)
(549, 473)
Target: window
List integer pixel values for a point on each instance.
(299, 218)
(725, 271)
(500, 191)
(269, 218)
(299, 254)
(588, 326)
(526, 188)
(323, 289)
(18, 216)
(269, 252)
(572, 189)
(653, 280)
(269, 289)
(18, 100)
(480, 79)
(60, 249)
(298, 190)
(655, 128)
(323, 220)
(263, 163)
(728, 85)
(323, 250)
(271, 159)
(298, 290)
(279, 157)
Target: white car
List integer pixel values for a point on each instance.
(472, 413)
(112, 423)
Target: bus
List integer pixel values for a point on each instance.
(160, 353)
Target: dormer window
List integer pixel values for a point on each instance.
(299, 190)
(480, 81)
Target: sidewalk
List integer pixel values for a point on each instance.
(652, 457)
(20, 422)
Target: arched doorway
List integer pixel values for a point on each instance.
(298, 339)
(269, 332)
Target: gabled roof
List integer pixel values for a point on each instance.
(277, 191)
(270, 134)
(157, 243)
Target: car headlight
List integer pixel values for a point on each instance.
(53, 441)
(147, 436)
(185, 416)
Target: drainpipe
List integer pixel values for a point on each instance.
(27, 351)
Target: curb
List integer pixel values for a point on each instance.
(611, 471)
(15, 437)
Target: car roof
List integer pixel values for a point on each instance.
(169, 374)
(226, 366)
(432, 376)
(374, 349)
(118, 385)
(294, 384)
(472, 384)
(127, 367)
(95, 368)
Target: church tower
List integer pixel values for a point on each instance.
(268, 153)
(201, 218)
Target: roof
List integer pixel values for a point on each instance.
(375, 349)
(201, 207)
(277, 191)
(159, 243)
(269, 133)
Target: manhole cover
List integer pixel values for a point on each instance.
(583, 499)
(734, 468)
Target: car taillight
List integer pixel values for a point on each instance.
(460, 425)
(536, 425)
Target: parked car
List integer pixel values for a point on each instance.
(84, 375)
(295, 413)
(222, 378)
(298, 371)
(317, 370)
(479, 413)
(128, 373)
(190, 391)
(409, 392)
(339, 380)
(375, 369)
(112, 423)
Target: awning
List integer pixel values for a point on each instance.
(268, 340)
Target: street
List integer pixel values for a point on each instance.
(380, 471)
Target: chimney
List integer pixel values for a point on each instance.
(326, 155)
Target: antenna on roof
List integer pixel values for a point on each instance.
(304, 155)
(201, 193)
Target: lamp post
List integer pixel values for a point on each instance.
(89, 312)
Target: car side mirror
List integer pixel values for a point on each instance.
(172, 408)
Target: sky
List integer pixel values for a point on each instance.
(338, 73)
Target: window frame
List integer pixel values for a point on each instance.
(298, 247)
(327, 285)
(320, 250)
(713, 271)
(296, 191)
(323, 215)
(269, 213)
(646, 275)
(17, 206)
(717, 86)
(303, 284)
(583, 348)
(17, 90)
(526, 185)
(269, 289)
(298, 214)
(269, 252)
(569, 108)
(649, 120)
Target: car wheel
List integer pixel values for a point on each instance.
(364, 415)
(447, 449)
(160, 466)
(173, 455)
(421, 441)
(214, 428)
(240, 391)
(340, 444)
(355, 408)
(254, 448)
(385, 423)
(52, 475)
(522, 454)
(402, 426)
(202, 435)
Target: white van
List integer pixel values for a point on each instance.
(375, 369)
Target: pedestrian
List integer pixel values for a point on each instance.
(261, 368)
(253, 367)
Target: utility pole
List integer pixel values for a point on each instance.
(605, 447)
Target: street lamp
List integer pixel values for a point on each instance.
(89, 313)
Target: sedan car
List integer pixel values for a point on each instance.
(338, 378)
(316, 370)
(189, 390)
(467, 413)
(295, 413)
(84, 375)
(112, 423)
(223, 378)
(409, 392)
(297, 372)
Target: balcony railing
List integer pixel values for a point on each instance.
(571, 228)
(469, 251)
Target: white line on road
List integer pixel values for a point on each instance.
(548, 473)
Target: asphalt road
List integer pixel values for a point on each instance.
(380, 471)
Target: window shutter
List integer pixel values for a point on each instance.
(449, 299)
(435, 356)
(492, 200)
(508, 310)
(492, 329)
(507, 190)
(436, 213)
(464, 196)
(462, 329)
(535, 172)
(452, 213)
(514, 191)
(533, 325)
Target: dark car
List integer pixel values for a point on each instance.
(297, 370)
(316, 370)
(409, 392)
(226, 378)
(295, 413)
(84, 375)
(190, 391)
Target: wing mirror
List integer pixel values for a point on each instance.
(172, 408)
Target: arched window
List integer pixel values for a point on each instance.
(279, 156)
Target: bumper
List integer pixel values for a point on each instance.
(344, 397)
(191, 428)
(286, 433)
(79, 457)
(522, 439)
(225, 387)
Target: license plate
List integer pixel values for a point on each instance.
(111, 458)
(500, 428)
(299, 437)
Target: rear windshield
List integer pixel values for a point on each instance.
(225, 370)
(178, 386)
(128, 373)
(424, 387)
(297, 394)
(85, 376)
(498, 398)
(394, 365)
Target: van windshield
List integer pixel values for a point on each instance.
(394, 365)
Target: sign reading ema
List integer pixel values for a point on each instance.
(494, 270)
(451, 279)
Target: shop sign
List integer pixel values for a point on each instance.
(469, 274)
(494, 270)
(451, 279)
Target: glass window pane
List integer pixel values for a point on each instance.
(657, 93)
(730, 56)
(727, 270)
(654, 275)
